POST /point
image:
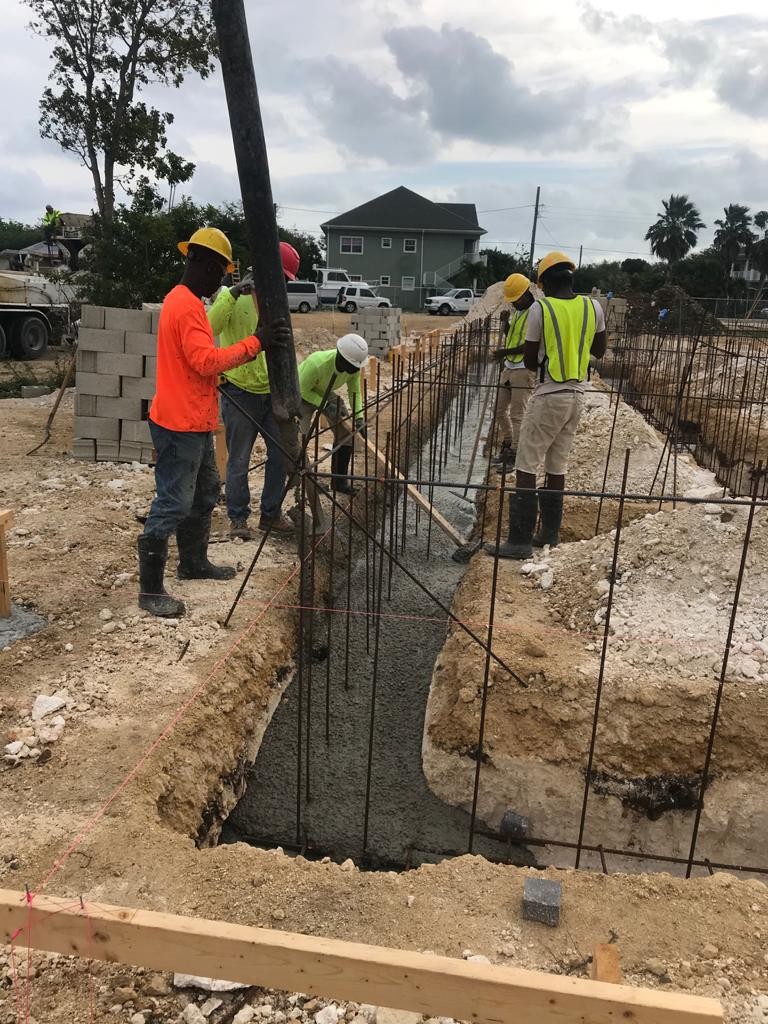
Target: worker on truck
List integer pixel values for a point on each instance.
(247, 410)
(343, 364)
(515, 381)
(562, 331)
(182, 418)
(52, 223)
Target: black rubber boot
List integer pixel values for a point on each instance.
(192, 540)
(153, 597)
(506, 457)
(522, 523)
(551, 511)
(340, 468)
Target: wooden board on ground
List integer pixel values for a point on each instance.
(6, 520)
(606, 963)
(418, 497)
(420, 982)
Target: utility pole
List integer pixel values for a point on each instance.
(581, 253)
(533, 233)
(258, 206)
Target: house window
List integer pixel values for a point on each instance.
(386, 243)
(355, 277)
(408, 283)
(409, 245)
(384, 280)
(352, 245)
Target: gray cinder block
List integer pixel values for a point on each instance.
(107, 451)
(119, 363)
(89, 340)
(137, 432)
(92, 316)
(128, 320)
(34, 390)
(97, 427)
(138, 387)
(541, 901)
(85, 405)
(107, 384)
(86, 361)
(84, 448)
(150, 367)
(119, 408)
(140, 344)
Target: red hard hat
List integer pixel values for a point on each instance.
(290, 260)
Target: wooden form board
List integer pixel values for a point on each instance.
(6, 520)
(420, 982)
(417, 496)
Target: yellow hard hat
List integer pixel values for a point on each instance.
(515, 287)
(213, 239)
(551, 260)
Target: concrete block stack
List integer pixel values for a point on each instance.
(379, 327)
(116, 365)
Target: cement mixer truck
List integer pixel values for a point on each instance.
(30, 307)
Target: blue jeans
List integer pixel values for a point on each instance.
(186, 479)
(241, 434)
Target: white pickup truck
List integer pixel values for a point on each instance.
(457, 300)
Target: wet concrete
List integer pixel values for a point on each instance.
(19, 624)
(407, 823)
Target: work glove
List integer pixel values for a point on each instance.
(361, 428)
(274, 335)
(245, 287)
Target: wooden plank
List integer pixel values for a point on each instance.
(420, 982)
(220, 446)
(418, 497)
(6, 519)
(606, 963)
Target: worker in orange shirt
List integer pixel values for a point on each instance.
(183, 416)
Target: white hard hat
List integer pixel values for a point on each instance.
(354, 349)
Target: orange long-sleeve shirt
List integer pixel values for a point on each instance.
(188, 364)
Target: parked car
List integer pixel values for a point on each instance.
(330, 279)
(354, 296)
(302, 296)
(457, 300)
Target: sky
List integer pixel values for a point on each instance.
(608, 109)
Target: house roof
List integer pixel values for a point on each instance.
(404, 209)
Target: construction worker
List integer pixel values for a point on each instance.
(315, 373)
(183, 415)
(515, 381)
(52, 223)
(562, 331)
(234, 316)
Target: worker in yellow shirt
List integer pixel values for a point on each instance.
(342, 364)
(234, 316)
(515, 382)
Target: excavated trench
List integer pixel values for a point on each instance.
(339, 771)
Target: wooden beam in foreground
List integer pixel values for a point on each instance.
(420, 982)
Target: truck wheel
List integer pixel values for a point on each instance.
(29, 337)
(3, 344)
(383, 305)
(349, 307)
(304, 307)
(445, 310)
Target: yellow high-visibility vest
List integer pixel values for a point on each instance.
(570, 326)
(516, 335)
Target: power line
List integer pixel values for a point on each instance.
(503, 209)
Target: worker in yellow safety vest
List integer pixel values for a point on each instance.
(562, 331)
(515, 380)
(52, 222)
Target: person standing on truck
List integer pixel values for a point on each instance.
(343, 364)
(182, 418)
(234, 316)
(562, 331)
(52, 223)
(515, 381)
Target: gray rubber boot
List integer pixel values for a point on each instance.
(153, 597)
(522, 522)
(551, 511)
(192, 540)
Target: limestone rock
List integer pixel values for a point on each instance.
(386, 1016)
(47, 705)
(328, 1015)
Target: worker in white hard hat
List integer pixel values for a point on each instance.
(515, 380)
(343, 363)
(563, 330)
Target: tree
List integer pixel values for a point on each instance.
(498, 266)
(699, 274)
(15, 235)
(105, 53)
(675, 232)
(733, 238)
(760, 220)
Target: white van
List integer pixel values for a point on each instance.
(330, 279)
(302, 296)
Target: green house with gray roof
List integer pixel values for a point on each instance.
(405, 245)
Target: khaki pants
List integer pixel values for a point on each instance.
(337, 415)
(515, 388)
(547, 432)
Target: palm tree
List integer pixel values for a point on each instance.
(758, 255)
(674, 233)
(760, 220)
(733, 236)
